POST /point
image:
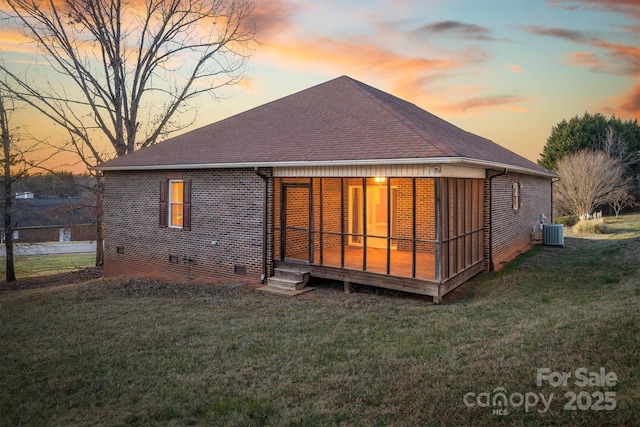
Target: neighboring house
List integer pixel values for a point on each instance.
(342, 181)
(52, 220)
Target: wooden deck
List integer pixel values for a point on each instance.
(375, 274)
(401, 261)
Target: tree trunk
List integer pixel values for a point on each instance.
(10, 275)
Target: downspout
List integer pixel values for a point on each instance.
(265, 206)
(491, 267)
(552, 182)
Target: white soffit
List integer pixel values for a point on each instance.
(399, 171)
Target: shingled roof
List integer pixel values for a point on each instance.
(340, 122)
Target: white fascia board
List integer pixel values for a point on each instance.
(367, 162)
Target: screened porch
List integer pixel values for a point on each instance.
(425, 230)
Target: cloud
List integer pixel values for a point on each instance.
(574, 36)
(12, 40)
(630, 104)
(626, 59)
(514, 68)
(618, 59)
(633, 29)
(489, 101)
(460, 30)
(628, 7)
(586, 60)
(272, 17)
(407, 74)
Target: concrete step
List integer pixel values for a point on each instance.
(285, 283)
(292, 274)
(284, 292)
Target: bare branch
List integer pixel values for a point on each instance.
(119, 60)
(588, 181)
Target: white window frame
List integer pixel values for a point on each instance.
(516, 196)
(171, 204)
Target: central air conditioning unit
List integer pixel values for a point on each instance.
(553, 235)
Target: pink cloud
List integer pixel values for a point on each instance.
(629, 105)
(514, 68)
(621, 59)
(488, 102)
(627, 7)
(406, 75)
(585, 59)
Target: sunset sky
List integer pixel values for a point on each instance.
(507, 70)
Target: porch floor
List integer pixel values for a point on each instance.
(401, 261)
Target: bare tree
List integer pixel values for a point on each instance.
(620, 199)
(14, 166)
(6, 106)
(128, 68)
(616, 147)
(588, 181)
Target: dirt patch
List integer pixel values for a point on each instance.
(52, 280)
(148, 287)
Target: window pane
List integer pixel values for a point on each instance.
(176, 198)
(176, 215)
(176, 191)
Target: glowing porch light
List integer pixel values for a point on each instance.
(379, 179)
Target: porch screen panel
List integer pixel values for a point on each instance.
(331, 227)
(468, 219)
(377, 260)
(425, 231)
(353, 206)
(277, 252)
(297, 222)
(452, 242)
(478, 220)
(353, 255)
(462, 214)
(401, 258)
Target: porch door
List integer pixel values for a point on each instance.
(380, 213)
(296, 222)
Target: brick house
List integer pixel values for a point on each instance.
(37, 220)
(341, 181)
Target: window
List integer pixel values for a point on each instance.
(175, 204)
(516, 198)
(176, 201)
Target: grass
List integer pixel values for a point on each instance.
(142, 352)
(39, 265)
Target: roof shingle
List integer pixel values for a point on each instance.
(340, 120)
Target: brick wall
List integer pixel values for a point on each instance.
(52, 234)
(226, 208)
(511, 229)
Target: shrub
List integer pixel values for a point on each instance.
(567, 221)
(593, 226)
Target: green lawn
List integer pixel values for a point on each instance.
(142, 352)
(38, 265)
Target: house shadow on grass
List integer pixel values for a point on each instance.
(336, 287)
